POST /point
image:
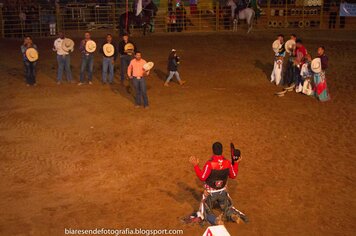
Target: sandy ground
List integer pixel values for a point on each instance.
(84, 157)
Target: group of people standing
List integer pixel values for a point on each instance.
(302, 74)
(132, 65)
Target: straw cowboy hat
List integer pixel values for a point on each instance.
(289, 45)
(90, 46)
(276, 45)
(108, 49)
(68, 45)
(148, 66)
(316, 65)
(129, 48)
(281, 94)
(31, 54)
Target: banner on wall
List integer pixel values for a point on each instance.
(348, 9)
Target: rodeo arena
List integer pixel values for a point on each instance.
(177, 117)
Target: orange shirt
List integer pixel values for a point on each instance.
(135, 68)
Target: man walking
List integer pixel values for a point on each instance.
(127, 50)
(136, 72)
(109, 51)
(63, 57)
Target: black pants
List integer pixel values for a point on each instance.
(290, 76)
(30, 72)
(332, 20)
(342, 22)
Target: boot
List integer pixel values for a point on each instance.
(181, 82)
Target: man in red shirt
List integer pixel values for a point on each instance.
(300, 54)
(215, 174)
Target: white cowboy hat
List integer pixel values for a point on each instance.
(129, 48)
(281, 94)
(90, 46)
(31, 54)
(316, 65)
(290, 88)
(289, 45)
(276, 45)
(148, 66)
(67, 45)
(173, 50)
(108, 49)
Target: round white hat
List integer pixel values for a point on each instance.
(108, 49)
(90, 46)
(31, 54)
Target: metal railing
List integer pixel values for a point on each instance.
(46, 20)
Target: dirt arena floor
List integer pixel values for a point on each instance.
(84, 157)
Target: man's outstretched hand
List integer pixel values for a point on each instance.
(194, 160)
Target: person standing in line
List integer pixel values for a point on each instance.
(30, 57)
(127, 51)
(87, 59)
(63, 47)
(173, 61)
(136, 72)
(319, 65)
(280, 52)
(109, 51)
(289, 80)
(300, 54)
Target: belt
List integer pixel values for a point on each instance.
(216, 191)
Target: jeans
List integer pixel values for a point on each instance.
(108, 65)
(223, 200)
(30, 72)
(124, 63)
(64, 64)
(171, 74)
(87, 65)
(141, 91)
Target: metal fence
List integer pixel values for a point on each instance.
(46, 20)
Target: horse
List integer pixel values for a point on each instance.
(247, 14)
(143, 20)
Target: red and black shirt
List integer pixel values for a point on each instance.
(216, 172)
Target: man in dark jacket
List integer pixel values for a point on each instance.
(127, 50)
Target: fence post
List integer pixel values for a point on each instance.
(58, 18)
(113, 16)
(303, 16)
(217, 14)
(286, 15)
(321, 14)
(199, 10)
(268, 12)
(2, 31)
(40, 19)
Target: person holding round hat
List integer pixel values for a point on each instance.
(173, 62)
(319, 66)
(127, 50)
(63, 46)
(87, 49)
(109, 51)
(290, 50)
(300, 54)
(137, 73)
(279, 54)
(30, 57)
